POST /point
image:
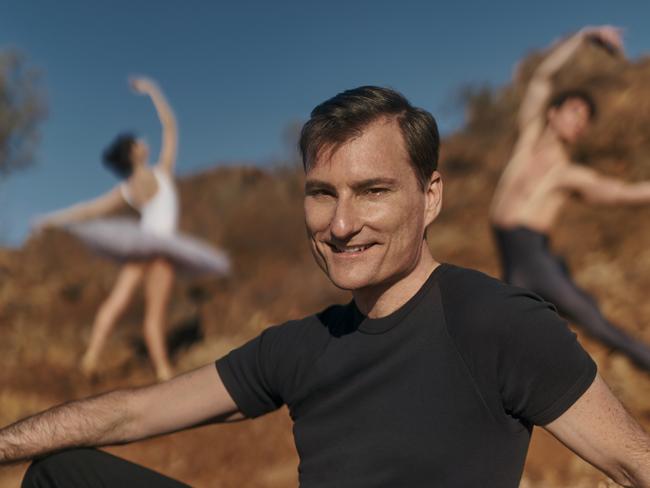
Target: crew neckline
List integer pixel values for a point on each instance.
(380, 325)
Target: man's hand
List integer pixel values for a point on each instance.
(608, 37)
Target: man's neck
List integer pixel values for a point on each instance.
(550, 140)
(381, 301)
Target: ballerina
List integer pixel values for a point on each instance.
(151, 248)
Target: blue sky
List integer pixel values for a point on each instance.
(239, 73)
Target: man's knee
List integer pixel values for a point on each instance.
(32, 476)
(92, 467)
(57, 470)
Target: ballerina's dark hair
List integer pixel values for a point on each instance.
(117, 156)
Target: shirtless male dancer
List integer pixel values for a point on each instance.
(538, 180)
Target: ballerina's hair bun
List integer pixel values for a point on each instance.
(117, 156)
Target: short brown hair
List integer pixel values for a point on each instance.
(575, 94)
(337, 120)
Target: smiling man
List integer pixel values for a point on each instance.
(433, 375)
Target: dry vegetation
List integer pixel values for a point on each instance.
(50, 289)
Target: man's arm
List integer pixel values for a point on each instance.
(599, 430)
(168, 149)
(533, 105)
(597, 189)
(102, 205)
(191, 399)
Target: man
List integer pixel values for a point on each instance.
(538, 180)
(433, 375)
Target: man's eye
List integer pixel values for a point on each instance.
(319, 193)
(376, 191)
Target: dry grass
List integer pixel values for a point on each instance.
(51, 288)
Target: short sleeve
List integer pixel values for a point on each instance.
(245, 374)
(542, 368)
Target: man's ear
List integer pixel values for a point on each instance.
(433, 198)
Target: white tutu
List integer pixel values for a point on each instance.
(124, 240)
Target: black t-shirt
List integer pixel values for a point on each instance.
(442, 392)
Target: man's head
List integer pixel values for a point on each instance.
(125, 153)
(371, 186)
(569, 114)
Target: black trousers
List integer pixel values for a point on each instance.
(92, 468)
(528, 262)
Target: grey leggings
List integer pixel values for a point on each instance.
(528, 262)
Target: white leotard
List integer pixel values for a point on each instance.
(159, 215)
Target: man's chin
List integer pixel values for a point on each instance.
(350, 283)
(572, 137)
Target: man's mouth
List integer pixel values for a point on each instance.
(342, 249)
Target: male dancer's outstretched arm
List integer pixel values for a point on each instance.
(597, 189)
(121, 416)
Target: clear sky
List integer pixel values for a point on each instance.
(238, 73)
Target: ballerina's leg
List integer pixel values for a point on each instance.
(110, 311)
(158, 288)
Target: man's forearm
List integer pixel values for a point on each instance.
(95, 421)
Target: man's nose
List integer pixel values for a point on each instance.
(346, 221)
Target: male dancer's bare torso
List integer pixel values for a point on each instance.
(536, 183)
(533, 187)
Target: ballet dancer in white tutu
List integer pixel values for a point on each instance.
(151, 249)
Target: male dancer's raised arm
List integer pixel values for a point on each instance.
(532, 112)
(121, 416)
(586, 183)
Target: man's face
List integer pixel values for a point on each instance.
(570, 119)
(365, 212)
